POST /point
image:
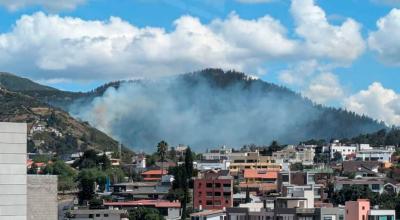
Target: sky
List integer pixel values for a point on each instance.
(337, 53)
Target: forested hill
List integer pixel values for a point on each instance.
(207, 108)
(56, 131)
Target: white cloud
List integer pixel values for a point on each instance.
(385, 41)
(324, 88)
(343, 43)
(52, 5)
(377, 102)
(51, 46)
(254, 1)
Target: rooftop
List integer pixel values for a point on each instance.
(154, 203)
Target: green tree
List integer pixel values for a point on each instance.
(337, 157)
(144, 213)
(162, 148)
(87, 179)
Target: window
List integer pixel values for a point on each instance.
(363, 208)
(328, 217)
(105, 215)
(218, 185)
(209, 194)
(217, 193)
(97, 215)
(375, 187)
(209, 185)
(209, 202)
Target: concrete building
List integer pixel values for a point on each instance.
(357, 210)
(42, 197)
(375, 214)
(170, 210)
(97, 214)
(213, 190)
(361, 210)
(378, 185)
(209, 215)
(13, 177)
(344, 150)
(381, 155)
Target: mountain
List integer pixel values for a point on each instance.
(204, 109)
(50, 129)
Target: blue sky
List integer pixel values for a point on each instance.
(362, 80)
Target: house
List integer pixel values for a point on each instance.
(381, 155)
(344, 150)
(362, 168)
(209, 215)
(140, 190)
(213, 190)
(376, 184)
(170, 210)
(97, 214)
(153, 175)
(204, 165)
(361, 210)
(259, 180)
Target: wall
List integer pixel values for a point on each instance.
(13, 138)
(42, 197)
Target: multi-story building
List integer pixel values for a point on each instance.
(213, 190)
(170, 210)
(42, 197)
(259, 180)
(153, 175)
(13, 174)
(360, 210)
(375, 184)
(344, 150)
(381, 155)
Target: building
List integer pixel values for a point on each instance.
(237, 168)
(213, 190)
(209, 215)
(153, 175)
(344, 150)
(204, 165)
(360, 210)
(42, 197)
(375, 214)
(361, 168)
(259, 180)
(381, 155)
(170, 210)
(221, 153)
(378, 185)
(97, 214)
(13, 177)
(286, 214)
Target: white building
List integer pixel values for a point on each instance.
(344, 150)
(375, 214)
(13, 177)
(381, 155)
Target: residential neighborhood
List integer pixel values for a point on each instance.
(277, 182)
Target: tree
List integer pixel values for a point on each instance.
(162, 148)
(296, 167)
(189, 162)
(172, 154)
(87, 180)
(144, 213)
(337, 156)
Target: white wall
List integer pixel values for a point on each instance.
(13, 178)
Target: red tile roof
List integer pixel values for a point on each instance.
(155, 172)
(262, 174)
(155, 203)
